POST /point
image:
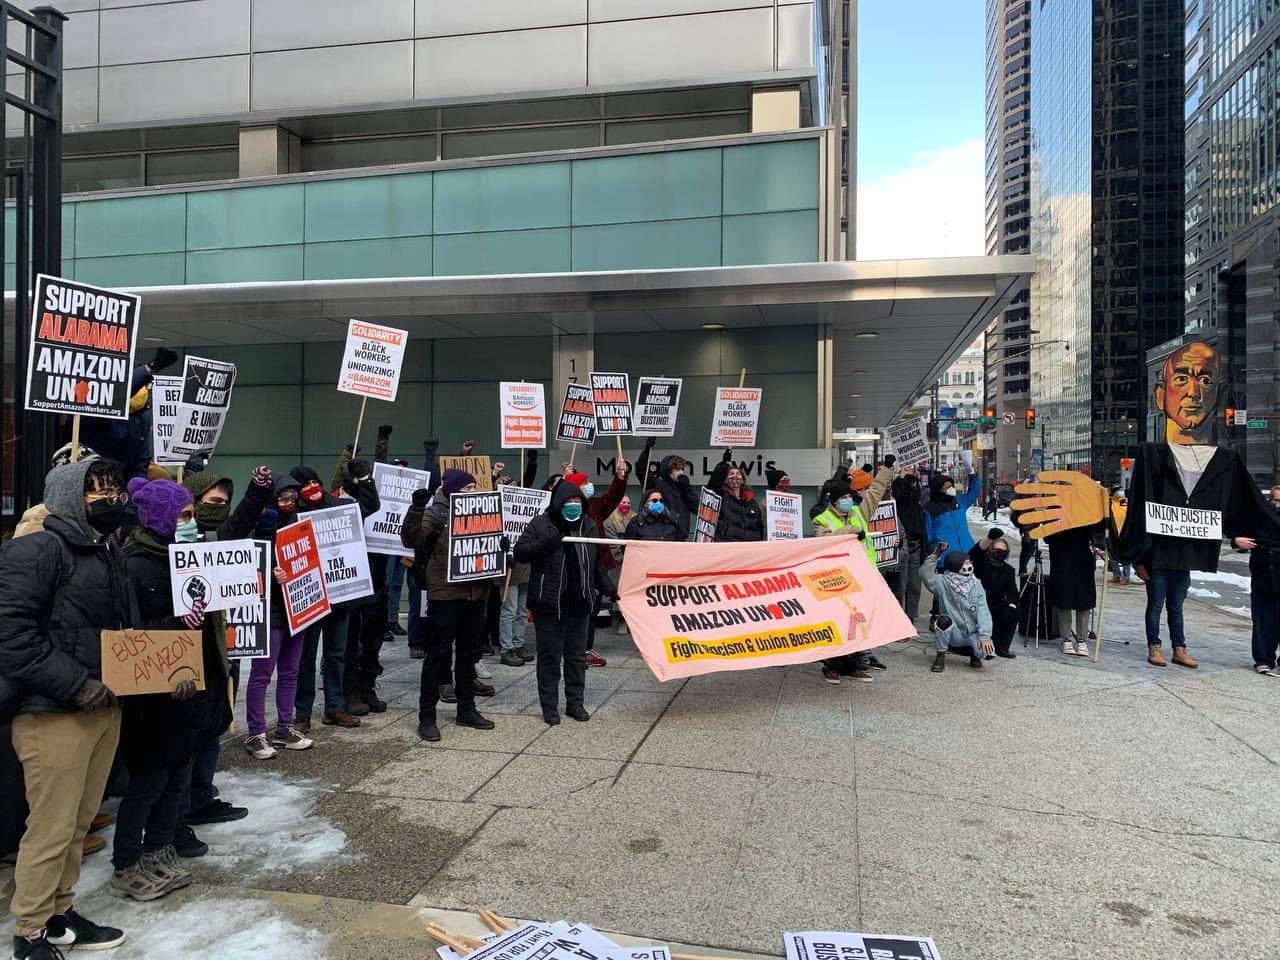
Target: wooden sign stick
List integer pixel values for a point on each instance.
(742, 378)
(573, 452)
(618, 437)
(75, 438)
(1106, 569)
(355, 444)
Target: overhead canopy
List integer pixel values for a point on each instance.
(923, 312)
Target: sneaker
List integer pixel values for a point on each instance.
(216, 811)
(187, 844)
(484, 689)
(429, 732)
(289, 739)
(1082, 648)
(166, 863)
(831, 676)
(355, 705)
(488, 650)
(1069, 648)
(875, 663)
(72, 930)
(447, 693)
(861, 676)
(595, 660)
(475, 721)
(258, 747)
(340, 718)
(512, 659)
(35, 947)
(526, 656)
(1262, 668)
(140, 882)
(417, 653)
(622, 629)
(482, 671)
(396, 630)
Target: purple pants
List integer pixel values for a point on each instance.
(286, 651)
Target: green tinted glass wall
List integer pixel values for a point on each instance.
(705, 206)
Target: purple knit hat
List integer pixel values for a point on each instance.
(454, 480)
(159, 502)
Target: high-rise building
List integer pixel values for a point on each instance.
(1107, 220)
(1233, 209)
(1008, 223)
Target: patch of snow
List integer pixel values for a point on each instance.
(1202, 594)
(1232, 579)
(1238, 611)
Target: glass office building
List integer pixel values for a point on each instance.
(1106, 166)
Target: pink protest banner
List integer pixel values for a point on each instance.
(701, 608)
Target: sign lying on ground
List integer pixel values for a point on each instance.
(395, 486)
(203, 408)
(738, 606)
(577, 415)
(249, 625)
(166, 394)
(83, 340)
(782, 516)
(475, 532)
(736, 416)
(305, 599)
(885, 537)
(657, 403)
(344, 557)
(611, 396)
(373, 359)
(909, 441)
(704, 527)
(858, 946)
(151, 661)
(522, 408)
(1190, 523)
(519, 506)
(221, 574)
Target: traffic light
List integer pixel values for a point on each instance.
(989, 412)
(1229, 416)
(1030, 415)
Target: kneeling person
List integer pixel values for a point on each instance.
(964, 622)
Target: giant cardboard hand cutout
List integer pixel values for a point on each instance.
(1060, 500)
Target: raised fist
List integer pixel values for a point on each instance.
(164, 358)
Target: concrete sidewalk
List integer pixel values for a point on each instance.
(1042, 807)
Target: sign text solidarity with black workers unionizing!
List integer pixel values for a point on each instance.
(475, 532)
(657, 402)
(372, 361)
(202, 412)
(519, 506)
(736, 416)
(83, 340)
(577, 415)
(611, 394)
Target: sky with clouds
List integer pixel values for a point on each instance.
(920, 128)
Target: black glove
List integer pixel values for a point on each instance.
(431, 445)
(385, 430)
(185, 690)
(995, 533)
(505, 543)
(164, 358)
(421, 497)
(862, 534)
(650, 442)
(195, 464)
(533, 456)
(890, 460)
(867, 468)
(727, 455)
(357, 470)
(93, 695)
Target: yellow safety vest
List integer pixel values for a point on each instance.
(833, 521)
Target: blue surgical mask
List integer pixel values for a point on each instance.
(588, 489)
(657, 508)
(188, 531)
(844, 504)
(571, 511)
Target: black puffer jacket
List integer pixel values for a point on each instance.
(159, 731)
(48, 649)
(542, 547)
(741, 518)
(646, 526)
(680, 497)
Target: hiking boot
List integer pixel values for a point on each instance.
(831, 676)
(595, 660)
(512, 659)
(417, 653)
(1154, 656)
(165, 861)
(861, 675)
(526, 656)
(369, 694)
(72, 930)
(187, 844)
(340, 718)
(258, 747)
(288, 739)
(975, 663)
(140, 881)
(92, 844)
(1183, 659)
(302, 725)
(484, 689)
(448, 694)
(101, 822)
(35, 947)
(939, 663)
(216, 811)
(578, 712)
(550, 716)
(396, 630)
(355, 705)
(475, 721)
(429, 732)
(482, 671)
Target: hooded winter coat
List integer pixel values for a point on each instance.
(946, 518)
(646, 526)
(58, 590)
(550, 577)
(681, 498)
(741, 519)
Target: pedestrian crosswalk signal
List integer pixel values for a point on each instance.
(1030, 415)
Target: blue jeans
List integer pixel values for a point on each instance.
(417, 624)
(1265, 605)
(395, 583)
(1166, 589)
(333, 629)
(953, 636)
(513, 618)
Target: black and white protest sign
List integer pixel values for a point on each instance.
(577, 415)
(395, 486)
(344, 558)
(475, 532)
(249, 626)
(166, 394)
(704, 528)
(222, 574)
(909, 441)
(858, 946)
(611, 394)
(1190, 523)
(202, 411)
(657, 401)
(82, 343)
(519, 506)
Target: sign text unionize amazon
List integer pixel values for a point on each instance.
(372, 361)
(82, 345)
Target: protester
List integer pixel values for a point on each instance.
(946, 513)
(128, 442)
(907, 495)
(777, 479)
(964, 621)
(1028, 547)
(285, 647)
(616, 523)
(67, 723)
(741, 519)
(598, 508)
(991, 566)
(513, 616)
(1264, 599)
(850, 508)
(367, 616)
(1120, 572)
(654, 521)
(991, 508)
(673, 482)
(1070, 589)
(457, 609)
(566, 582)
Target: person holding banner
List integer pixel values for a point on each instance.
(457, 609)
(161, 733)
(59, 589)
(740, 517)
(566, 583)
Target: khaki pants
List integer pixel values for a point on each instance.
(66, 759)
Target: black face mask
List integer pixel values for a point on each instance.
(999, 556)
(105, 517)
(211, 515)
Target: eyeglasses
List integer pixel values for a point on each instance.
(113, 497)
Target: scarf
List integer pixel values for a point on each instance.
(148, 540)
(960, 583)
